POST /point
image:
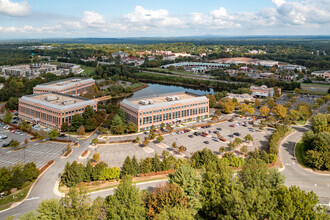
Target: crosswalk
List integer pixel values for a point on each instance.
(40, 154)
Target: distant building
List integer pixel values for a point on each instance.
(71, 86)
(133, 60)
(52, 109)
(169, 57)
(73, 68)
(121, 54)
(240, 97)
(325, 74)
(27, 70)
(293, 67)
(263, 91)
(169, 108)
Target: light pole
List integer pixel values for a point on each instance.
(24, 156)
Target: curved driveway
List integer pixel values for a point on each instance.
(296, 175)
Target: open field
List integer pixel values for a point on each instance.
(316, 89)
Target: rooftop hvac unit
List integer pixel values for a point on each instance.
(143, 102)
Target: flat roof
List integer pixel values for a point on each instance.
(65, 83)
(58, 101)
(160, 100)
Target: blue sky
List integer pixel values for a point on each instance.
(149, 18)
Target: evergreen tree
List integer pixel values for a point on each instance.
(89, 112)
(88, 172)
(156, 163)
(127, 168)
(135, 166)
(126, 203)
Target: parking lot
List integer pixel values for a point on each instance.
(194, 143)
(115, 154)
(12, 136)
(300, 98)
(40, 154)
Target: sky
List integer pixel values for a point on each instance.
(155, 18)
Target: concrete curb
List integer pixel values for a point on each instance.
(301, 166)
(56, 186)
(27, 195)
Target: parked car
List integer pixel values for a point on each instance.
(232, 126)
(6, 145)
(191, 136)
(237, 134)
(62, 135)
(206, 142)
(219, 129)
(230, 135)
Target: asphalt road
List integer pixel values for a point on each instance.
(296, 175)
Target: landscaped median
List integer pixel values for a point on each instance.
(17, 197)
(104, 185)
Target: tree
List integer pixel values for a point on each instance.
(244, 149)
(174, 145)
(8, 117)
(30, 171)
(271, 103)
(117, 125)
(146, 165)
(88, 172)
(77, 121)
(152, 135)
(181, 149)
(156, 163)
(42, 135)
(264, 111)
(160, 138)
(293, 115)
(5, 177)
(127, 168)
(244, 109)
(131, 127)
(96, 157)
(53, 134)
(137, 139)
(146, 141)
(163, 197)
(95, 141)
(24, 126)
(136, 166)
(228, 106)
(91, 124)
(64, 127)
(81, 130)
(305, 110)
(186, 178)
(76, 204)
(212, 100)
(222, 149)
(200, 158)
(248, 137)
(169, 128)
(109, 173)
(88, 113)
(126, 203)
(257, 103)
(97, 169)
(50, 209)
(280, 111)
(320, 123)
(176, 213)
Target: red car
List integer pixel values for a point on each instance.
(232, 126)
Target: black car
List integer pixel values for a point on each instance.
(191, 136)
(6, 145)
(219, 129)
(231, 135)
(215, 132)
(206, 142)
(195, 133)
(237, 134)
(62, 135)
(230, 120)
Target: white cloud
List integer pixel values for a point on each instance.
(93, 19)
(11, 8)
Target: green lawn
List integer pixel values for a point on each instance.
(170, 71)
(301, 152)
(88, 71)
(15, 197)
(136, 85)
(301, 122)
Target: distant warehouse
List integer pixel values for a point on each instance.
(71, 86)
(52, 109)
(169, 108)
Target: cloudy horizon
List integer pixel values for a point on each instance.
(148, 18)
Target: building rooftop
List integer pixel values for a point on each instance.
(58, 101)
(163, 100)
(64, 83)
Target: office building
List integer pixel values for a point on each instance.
(263, 91)
(71, 86)
(169, 108)
(52, 109)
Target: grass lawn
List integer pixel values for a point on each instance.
(301, 122)
(88, 70)
(301, 153)
(171, 71)
(136, 85)
(15, 197)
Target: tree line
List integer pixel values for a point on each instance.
(256, 192)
